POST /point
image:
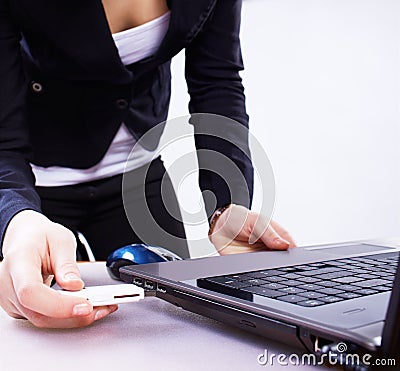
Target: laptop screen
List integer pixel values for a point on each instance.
(391, 331)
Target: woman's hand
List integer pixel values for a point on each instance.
(239, 230)
(34, 250)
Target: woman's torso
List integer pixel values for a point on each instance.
(85, 91)
(125, 14)
(137, 32)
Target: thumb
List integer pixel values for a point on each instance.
(62, 247)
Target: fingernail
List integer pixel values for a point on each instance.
(281, 242)
(71, 277)
(101, 313)
(82, 309)
(252, 240)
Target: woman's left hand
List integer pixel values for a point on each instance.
(239, 230)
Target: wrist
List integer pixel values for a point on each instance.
(215, 217)
(18, 225)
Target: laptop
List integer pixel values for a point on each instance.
(337, 301)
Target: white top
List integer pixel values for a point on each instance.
(133, 45)
(142, 41)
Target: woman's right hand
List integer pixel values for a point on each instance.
(35, 249)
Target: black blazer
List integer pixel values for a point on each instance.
(64, 90)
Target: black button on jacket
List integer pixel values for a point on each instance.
(64, 91)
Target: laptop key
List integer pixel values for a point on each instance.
(291, 282)
(290, 276)
(330, 291)
(221, 280)
(256, 275)
(237, 277)
(255, 282)
(358, 264)
(330, 299)
(388, 261)
(347, 279)
(273, 286)
(310, 303)
(382, 288)
(317, 264)
(358, 271)
(348, 295)
(320, 271)
(270, 272)
(347, 287)
(287, 269)
(328, 270)
(330, 276)
(380, 263)
(335, 263)
(311, 287)
(224, 289)
(367, 276)
(239, 284)
(291, 290)
(274, 279)
(311, 295)
(366, 261)
(367, 292)
(309, 279)
(291, 298)
(347, 261)
(382, 274)
(372, 283)
(327, 283)
(304, 267)
(309, 273)
(263, 291)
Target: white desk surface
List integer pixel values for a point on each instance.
(149, 335)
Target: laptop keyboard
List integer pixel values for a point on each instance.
(314, 284)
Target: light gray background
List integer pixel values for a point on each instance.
(323, 93)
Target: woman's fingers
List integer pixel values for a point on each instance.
(97, 314)
(62, 249)
(240, 230)
(31, 293)
(30, 261)
(30, 299)
(272, 240)
(283, 233)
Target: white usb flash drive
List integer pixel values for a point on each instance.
(108, 294)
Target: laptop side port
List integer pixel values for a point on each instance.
(138, 281)
(161, 288)
(149, 285)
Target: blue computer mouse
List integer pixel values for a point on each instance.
(137, 254)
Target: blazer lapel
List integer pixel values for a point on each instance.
(79, 29)
(187, 17)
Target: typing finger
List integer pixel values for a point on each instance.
(267, 234)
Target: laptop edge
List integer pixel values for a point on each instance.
(175, 282)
